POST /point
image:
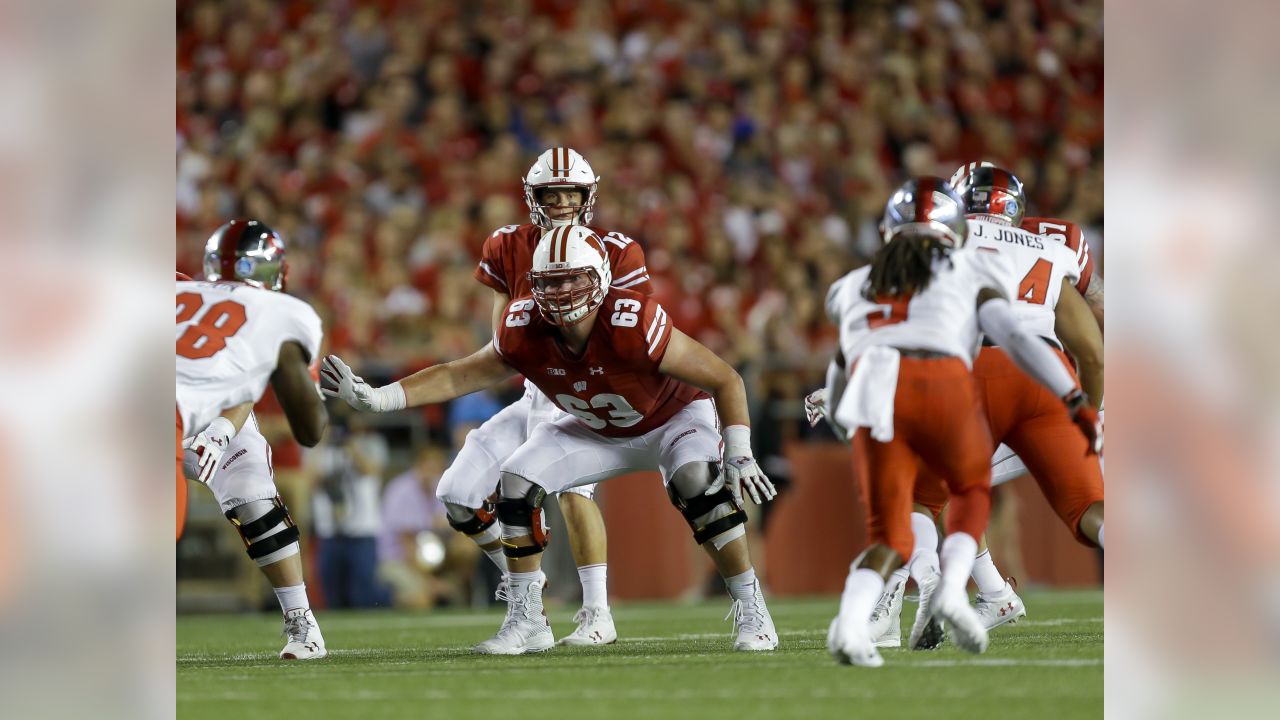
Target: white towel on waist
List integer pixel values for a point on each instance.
(868, 399)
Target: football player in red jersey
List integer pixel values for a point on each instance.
(640, 396)
(560, 190)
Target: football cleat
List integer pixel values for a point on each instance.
(886, 618)
(999, 608)
(751, 621)
(927, 632)
(849, 644)
(595, 627)
(967, 631)
(303, 634)
(525, 629)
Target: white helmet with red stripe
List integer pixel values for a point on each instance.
(570, 274)
(560, 167)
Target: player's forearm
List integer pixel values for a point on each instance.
(441, 383)
(238, 414)
(1091, 381)
(730, 396)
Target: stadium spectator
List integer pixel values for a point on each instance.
(422, 570)
(346, 513)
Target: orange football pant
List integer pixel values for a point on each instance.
(1034, 423)
(938, 425)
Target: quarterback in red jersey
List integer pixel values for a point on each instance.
(560, 191)
(640, 396)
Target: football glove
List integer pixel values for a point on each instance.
(209, 447)
(741, 469)
(814, 405)
(337, 380)
(1085, 418)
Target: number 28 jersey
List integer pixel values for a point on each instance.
(943, 317)
(615, 387)
(228, 342)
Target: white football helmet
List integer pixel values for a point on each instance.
(560, 167)
(966, 170)
(564, 252)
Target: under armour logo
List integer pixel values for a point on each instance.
(580, 385)
(597, 371)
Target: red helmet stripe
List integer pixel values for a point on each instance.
(227, 246)
(564, 244)
(924, 200)
(564, 162)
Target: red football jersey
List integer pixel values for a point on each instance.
(507, 257)
(615, 387)
(1069, 234)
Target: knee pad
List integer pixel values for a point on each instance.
(269, 533)
(716, 518)
(473, 522)
(521, 516)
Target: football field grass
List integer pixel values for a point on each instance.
(671, 661)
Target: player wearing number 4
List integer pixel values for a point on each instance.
(910, 325)
(640, 397)
(235, 335)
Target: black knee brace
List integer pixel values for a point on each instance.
(708, 515)
(258, 544)
(522, 517)
(483, 518)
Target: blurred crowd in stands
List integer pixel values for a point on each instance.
(749, 145)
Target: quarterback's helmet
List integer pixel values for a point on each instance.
(926, 205)
(560, 167)
(993, 194)
(562, 253)
(248, 251)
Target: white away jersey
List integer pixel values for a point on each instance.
(228, 341)
(942, 318)
(1039, 267)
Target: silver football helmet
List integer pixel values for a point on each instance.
(248, 251)
(926, 205)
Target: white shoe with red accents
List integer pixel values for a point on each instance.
(753, 624)
(304, 639)
(1002, 607)
(595, 627)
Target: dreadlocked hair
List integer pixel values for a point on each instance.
(904, 266)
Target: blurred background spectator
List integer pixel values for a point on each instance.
(420, 558)
(346, 512)
(749, 143)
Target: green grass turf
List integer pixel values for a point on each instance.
(671, 661)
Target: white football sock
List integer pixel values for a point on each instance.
(497, 558)
(958, 552)
(924, 557)
(861, 591)
(742, 587)
(594, 591)
(293, 597)
(1102, 537)
(985, 574)
(520, 582)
